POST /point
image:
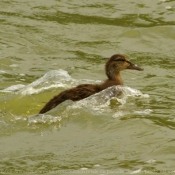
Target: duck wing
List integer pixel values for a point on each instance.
(74, 94)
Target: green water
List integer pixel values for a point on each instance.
(132, 136)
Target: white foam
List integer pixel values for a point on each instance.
(83, 169)
(14, 65)
(136, 171)
(145, 112)
(168, 7)
(14, 88)
(2, 72)
(100, 102)
(118, 114)
(52, 79)
(43, 118)
(151, 161)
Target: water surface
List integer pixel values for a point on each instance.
(49, 46)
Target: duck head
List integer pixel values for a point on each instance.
(117, 63)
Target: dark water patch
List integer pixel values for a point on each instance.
(157, 59)
(162, 121)
(125, 20)
(17, 78)
(89, 58)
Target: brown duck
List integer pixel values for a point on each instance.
(113, 66)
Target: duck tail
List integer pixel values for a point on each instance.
(56, 100)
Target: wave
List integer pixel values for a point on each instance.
(113, 100)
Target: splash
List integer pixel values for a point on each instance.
(14, 88)
(120, 93)
(100, 103)
(43, 118)
(113, 100)
(52, 79)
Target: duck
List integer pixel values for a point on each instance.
(114, 65)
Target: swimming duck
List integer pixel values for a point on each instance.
(114, 65)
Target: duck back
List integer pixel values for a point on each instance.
(74, 94)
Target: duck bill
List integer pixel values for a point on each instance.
(135, 67)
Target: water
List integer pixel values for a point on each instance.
(49, 46)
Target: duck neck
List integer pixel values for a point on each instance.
(112, 81)
(117, 79)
